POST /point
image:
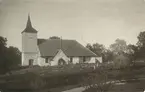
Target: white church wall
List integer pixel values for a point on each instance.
(29, 48)
(27, 56)
(54, 63)
(99, 59)
(75, 60)
(42, 62)
(91, 60)
(29, 42)
(58, 56)
(88, 60)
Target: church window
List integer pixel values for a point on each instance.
(84, 59)
(71, 59)
(46, 60)
(31, 62)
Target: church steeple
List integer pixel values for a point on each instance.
(29, 44)
(29, 28)
(29, 22)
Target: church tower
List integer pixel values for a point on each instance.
(29, 45)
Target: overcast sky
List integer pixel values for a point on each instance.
(87, 21)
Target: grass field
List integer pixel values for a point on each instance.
(67, 77)
(51, 76)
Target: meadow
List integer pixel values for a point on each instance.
(65, 77)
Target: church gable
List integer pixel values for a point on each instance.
(60, 58)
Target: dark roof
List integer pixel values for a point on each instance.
(29, 28)
(39, 41)
(69, 47)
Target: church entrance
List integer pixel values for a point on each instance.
(31, 62)
(61, 62)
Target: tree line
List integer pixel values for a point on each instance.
(120, 52)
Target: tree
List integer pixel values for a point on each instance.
(141, 46)
(141, 39)
(123, 54)
(9, 56)
(14, 56)
(121, 61)
(132, 52)
(54, 37)
(108, 56)
(100, 50)
(3, 42)
(3, 54)
(89, 46)
(119, 46)
(97, 48)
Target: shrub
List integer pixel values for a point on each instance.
(37, 83)
(121, 61)
(97, 82)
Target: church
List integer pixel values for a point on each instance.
(51, 52)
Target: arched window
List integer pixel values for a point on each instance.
(31, 62)
(46, 60)
(61, 62)
(71, 59)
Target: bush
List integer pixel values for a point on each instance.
(121, 61)
(37, 83)
(97, 82)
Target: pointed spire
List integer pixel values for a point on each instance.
(29, 27)
(29, 22)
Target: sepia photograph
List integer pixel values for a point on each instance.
(72, 45)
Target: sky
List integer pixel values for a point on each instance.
(87, 21)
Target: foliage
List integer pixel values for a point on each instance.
(141, 39)
(9, 56)
(70, 78)
(54, 37)
(97, 82)
(108, 56)
(100, 51)
(119, 46)
(132, 52)
(140, 49)
(121, 61)
(97, 48)
(48, 77)
(123, 54)
(3, 56)
(14, 57)
(37, 83)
